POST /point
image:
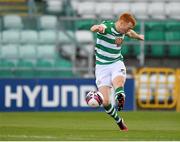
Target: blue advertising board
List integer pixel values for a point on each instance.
(52, 94)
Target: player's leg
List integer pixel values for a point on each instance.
(104, 84)
(109, 108)
(118, 84)
(118, 81)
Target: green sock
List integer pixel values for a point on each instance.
(119, 90)
(112, 112)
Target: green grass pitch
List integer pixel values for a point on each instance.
(62, 126)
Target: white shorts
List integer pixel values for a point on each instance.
(106, 73)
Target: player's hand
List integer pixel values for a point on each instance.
(101, 29)
(141, 37)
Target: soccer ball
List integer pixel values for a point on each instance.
(94, 99)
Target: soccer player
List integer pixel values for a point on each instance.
(110, 70)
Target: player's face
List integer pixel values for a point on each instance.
(125, 27)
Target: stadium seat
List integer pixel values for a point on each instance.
(172, 35)
(154, 35)
(10, 36)
(66, 36)
(9, 51)
(104, 10)
(68, 50)
(173, 25)
(156, 10)
(64, 68)
(125, 50)
(46, 51)
(44, 68)
(174, 51)
(84, 24)
(54, 6)
(29, 37)
(6, 68)
(86, 9)
(0, 38)
(48, 22)
(157, 51)
(84, 36)
(12, 22)
(155, 25)
(85, 40)
(47, 37)
(136, 50)
(8, 63)
(26, 68)
(120, 7)
(27, 51)
(172, 10)
(155, 31)
(139, 9)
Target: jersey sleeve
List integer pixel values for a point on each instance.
(107, 27)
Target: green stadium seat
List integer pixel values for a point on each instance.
(6, 66)
(27, 51)
(154, 31)
(47, 37)
(136, 50)
(173, 25)
(9, 51)
(160, 26)
(66, 36)
(8, 63)
(174, 51)
(46, 51)
(12, 22)
(26, 68)
(48, 22)
(154, 36)
(172, 35)
(84, 24)
(157, 51)
(64, 68)
(29, 37)
(68, 50)
(45, 68)
(10, 36)
(84, 36)
(137, 28)
(0, 38)
(125, 50)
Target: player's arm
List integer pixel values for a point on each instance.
(98, 28)
(133, 34)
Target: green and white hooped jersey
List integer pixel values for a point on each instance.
(106, 50)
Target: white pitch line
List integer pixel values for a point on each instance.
(26, 136)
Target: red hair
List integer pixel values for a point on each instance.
(127, 17)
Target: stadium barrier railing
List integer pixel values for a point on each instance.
(178, 84)
(157, 88)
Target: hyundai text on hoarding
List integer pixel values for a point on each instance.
(51, 94)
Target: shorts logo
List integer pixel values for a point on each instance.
(123, 71)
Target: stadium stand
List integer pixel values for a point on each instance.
(60, 37)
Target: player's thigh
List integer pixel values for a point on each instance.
(118, 74)
(105, 91)
(103, 76)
